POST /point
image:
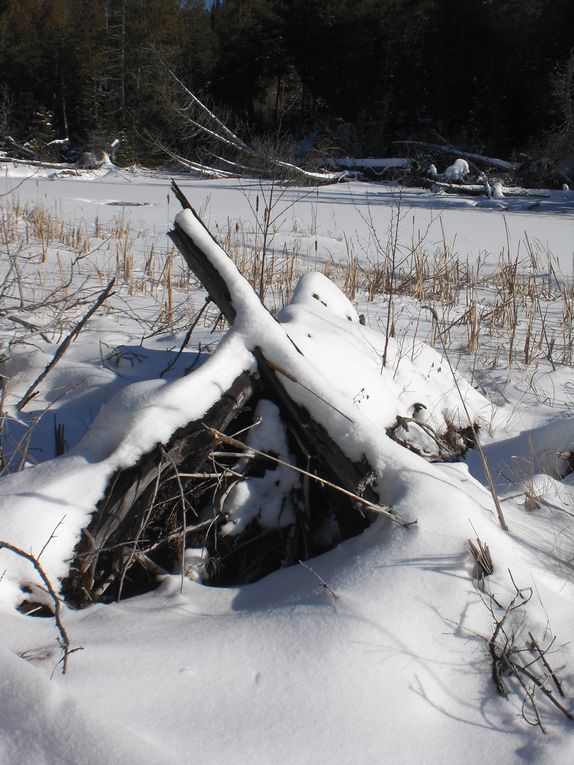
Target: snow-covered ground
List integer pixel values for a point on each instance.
(393, 663)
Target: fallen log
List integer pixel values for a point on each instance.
(449, 149)
(246, 159)
(481, 189)
(311, 435)
(369, 168)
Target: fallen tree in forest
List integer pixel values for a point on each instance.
(481, 172)
(224, 154)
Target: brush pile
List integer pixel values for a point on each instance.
(279, 464)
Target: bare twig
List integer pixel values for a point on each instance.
(320, 579)
(28, 325)
(52, 535)
(218, 436)
(64, 639)
(551, 672)
(506, 659)
(63, 347)
(529, 697)
(484, 461)
(187, 338)
(548, 693)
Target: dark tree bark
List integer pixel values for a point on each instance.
(130, 507)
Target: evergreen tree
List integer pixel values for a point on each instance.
(483, 74)
(250, 52)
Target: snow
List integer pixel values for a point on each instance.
(264, 499)
(497, 192)
(457, 171)
(195, 562)
(392, 663)
(315, 286)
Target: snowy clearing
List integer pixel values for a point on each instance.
(387, 648)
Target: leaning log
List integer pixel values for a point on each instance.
(310, 434)
(255, 163)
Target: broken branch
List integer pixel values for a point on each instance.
(218, 436)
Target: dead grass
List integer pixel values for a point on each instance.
(517, 313)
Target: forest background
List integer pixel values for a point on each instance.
(336, 76)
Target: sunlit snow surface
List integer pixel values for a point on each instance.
(395, 669)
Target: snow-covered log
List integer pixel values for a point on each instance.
(23, 151)
(118, 535)
(34, 163)
(372, 168)
(483, 189)
(501, 164)
(148, 515)
(310, 433)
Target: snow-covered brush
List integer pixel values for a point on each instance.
(202, 487)
(250, 451)
(521, 665)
